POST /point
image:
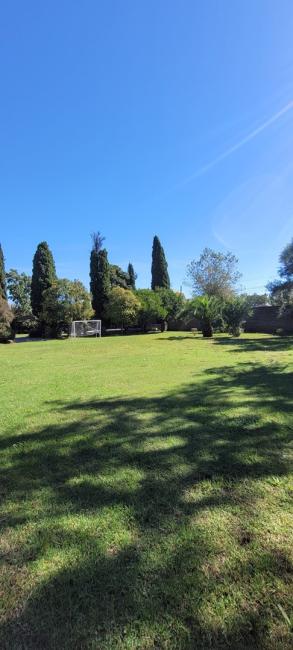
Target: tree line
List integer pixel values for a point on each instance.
(45, 305)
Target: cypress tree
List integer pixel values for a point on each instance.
(3, 293)
(43, 276)
(132, 276)
(160, 275)
(100, 284)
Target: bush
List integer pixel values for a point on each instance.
(234, 312)
(208, 309)
(24, 323)
(122, 308)
(6, 317)
(6, 333)
(172, 301)
(151, 310)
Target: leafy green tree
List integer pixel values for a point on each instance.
(151, 310)
(256, 299)
(19, 291)
(282, 290)
(208, 309)
(286, 262)
(65, 301)
(122, 307)
(100, 284)
(132, 276)
(235, 311)
(160, 275)
(6, 317)
(118, 277)
(43, 276)
(3, 293)
(214, 274)
(172, 301)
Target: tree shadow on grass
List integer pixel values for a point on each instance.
(268, 343)
(177, 337)
(239, 344)
(136, 490)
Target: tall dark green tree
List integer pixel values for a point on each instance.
(43, 276)
(3, 292)
(132, 276)
(118, 277)
(160, 275)
(100, 284)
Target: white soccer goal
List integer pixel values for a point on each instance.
(86, 328)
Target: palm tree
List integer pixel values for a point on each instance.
(207, 309)
(235, 311)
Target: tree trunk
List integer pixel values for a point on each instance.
(207, 330)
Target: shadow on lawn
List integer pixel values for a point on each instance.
(272, 343)
(149, 593)
(238, 344)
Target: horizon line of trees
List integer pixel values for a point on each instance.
(45, 305)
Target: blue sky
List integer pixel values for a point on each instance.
(142, 118)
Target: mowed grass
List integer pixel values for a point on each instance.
(145, 493)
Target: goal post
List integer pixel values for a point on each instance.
(86, 328)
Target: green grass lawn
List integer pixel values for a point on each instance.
(145, 498)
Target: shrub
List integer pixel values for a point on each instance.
(25, 323)
(122, 307)
(208, 310)
(151, 309)
(235, 311)
(6, 317)
(172, 301)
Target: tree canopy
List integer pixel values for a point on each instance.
(160, 275)
(151, 310)
(6, 317)
(43, 276)
(172, 301)
(100, 284)
(122, 307)
(118, 277)
(132, 275)
(235, 311)
(19, 291)
(214, 273)
(282, 290)
(207, 309)
(65, 301)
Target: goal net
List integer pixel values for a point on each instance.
(86, 328)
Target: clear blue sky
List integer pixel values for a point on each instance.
(150, 117)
